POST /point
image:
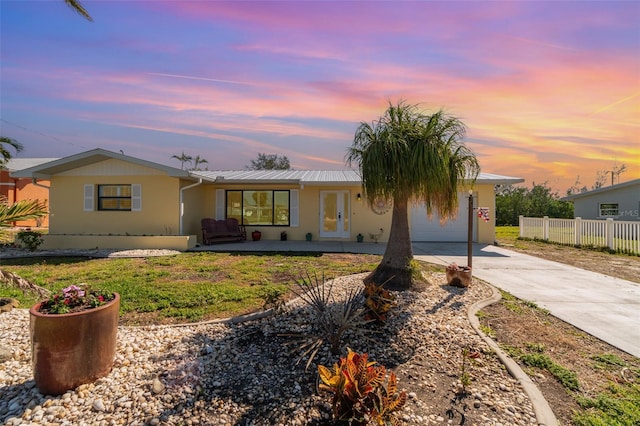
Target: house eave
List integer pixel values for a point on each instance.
(52, 168)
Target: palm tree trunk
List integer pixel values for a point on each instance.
(394, 270)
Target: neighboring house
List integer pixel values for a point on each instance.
(17, 189)
(618, 202)
(104, 199)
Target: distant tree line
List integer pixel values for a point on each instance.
(269, 162)
(537, 201)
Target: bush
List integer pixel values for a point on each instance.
(378, 302)
(30, 239)
(359, 392)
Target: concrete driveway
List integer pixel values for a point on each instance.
(603, 306)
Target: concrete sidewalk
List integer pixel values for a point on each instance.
(603, 306)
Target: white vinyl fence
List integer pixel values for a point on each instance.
(622, 236)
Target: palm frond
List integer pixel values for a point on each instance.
(77, 7)
(21, 210)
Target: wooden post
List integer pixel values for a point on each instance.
(470, 230)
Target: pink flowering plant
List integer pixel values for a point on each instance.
(75, 299)
(453, 267)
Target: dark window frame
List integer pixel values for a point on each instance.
(273, 206)
(608, 209)
(101, 198)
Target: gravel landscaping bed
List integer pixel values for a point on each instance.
(242, 373)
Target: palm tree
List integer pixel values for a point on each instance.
(5, 155)
(183, 158)
(75, 5)
(21, 210)
(409, 157)
(197, 161)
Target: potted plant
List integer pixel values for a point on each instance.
(73, 338)
(458, 276)
(256, 235)
(360, 238)
(308, 236)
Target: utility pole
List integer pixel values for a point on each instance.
(617, 171)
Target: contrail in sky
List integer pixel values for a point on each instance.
(188, 77)
(606, 107)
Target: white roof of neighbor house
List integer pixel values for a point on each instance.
(16, 164)
(310, 177)
(600, 190)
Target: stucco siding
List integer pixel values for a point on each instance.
(159, 214)
(361, 218)
(18, 189)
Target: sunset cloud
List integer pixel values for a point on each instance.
(547, 94)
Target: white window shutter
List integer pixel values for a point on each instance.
(136, 197)
(88, 198)
(293, 208)
(220, 204)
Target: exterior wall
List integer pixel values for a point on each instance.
(628, 199)
(180, 243)
(163, 214)
(15, 189)
(483, 232)
(486, 197)
(199, 203)
(160, 202)
(362, 219)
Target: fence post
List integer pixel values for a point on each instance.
(577, 228)
(545, 228)
(609, 233)
(521, 225)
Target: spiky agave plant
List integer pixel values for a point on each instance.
(331, 321)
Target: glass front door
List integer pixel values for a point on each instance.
(334, 221)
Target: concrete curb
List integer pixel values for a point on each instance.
(541, 407)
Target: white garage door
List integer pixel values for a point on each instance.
(423, 229)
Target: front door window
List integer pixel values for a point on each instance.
(334, 221)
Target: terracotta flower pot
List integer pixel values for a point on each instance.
(68, 350)
(460, 277)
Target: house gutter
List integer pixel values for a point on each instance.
(199, 182)
(35, 182)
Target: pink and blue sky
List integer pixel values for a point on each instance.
(549, 91)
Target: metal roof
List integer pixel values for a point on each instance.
(498, 179)
(311, 177)
(44, 168)
(308, 177)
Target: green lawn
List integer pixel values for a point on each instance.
(185, 287)
(507, 233)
